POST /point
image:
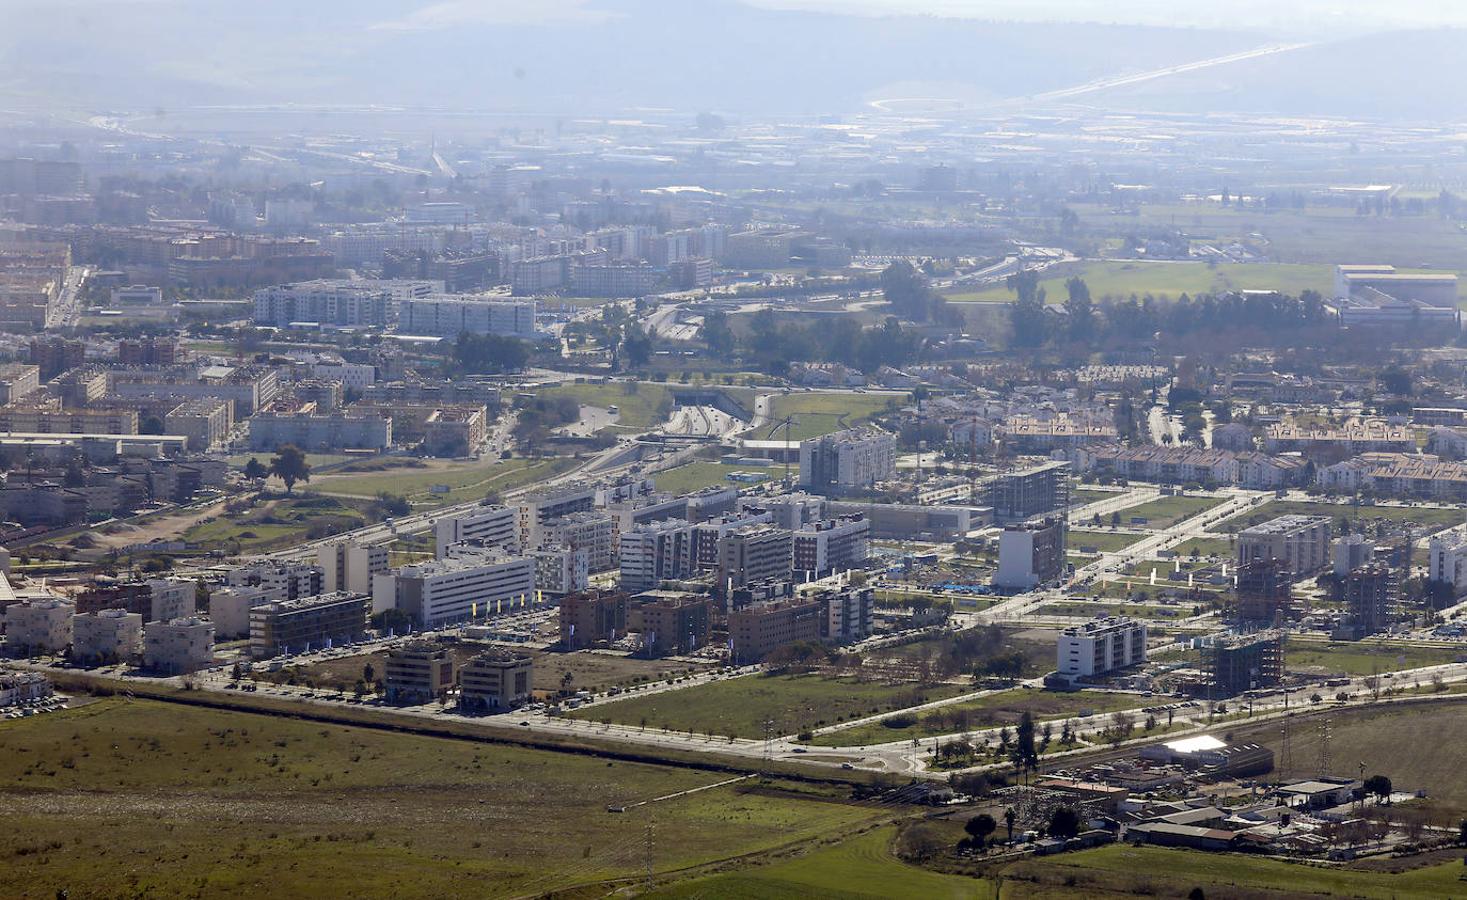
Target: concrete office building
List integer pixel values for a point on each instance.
(491, 526)
(229, 610)
(848, 612)
(350, 567)
(847, 461)
(656, 551)
(107, 636)
(1031, 554)
(292, 626)
(418, 673)
(592, 617)
(1302, 542)
(178, 646)
(1041, 490)
(38, 626)
(470, 582)
(1101, 646)
(752, 554)
(495, 682)
(831, 545)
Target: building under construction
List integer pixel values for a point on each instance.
(1025, 494)
(1262, 595)
(1245, 662)
(1370, 594)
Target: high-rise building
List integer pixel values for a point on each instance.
(1101, 646)
(754, 553)
(1037, 491)
(1302, 542)
(1350, 552)
(656, 551)
(1031, 554)
(349, 566)
(847, 461)
(540, 509)
(491, 526)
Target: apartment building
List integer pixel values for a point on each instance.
(592, 617)
(418, 673)
(1031, 554)
(106, 636)
(847, 461)
(1100, 646)
(491, 526)
(450, 316)
(759, 629)
(350, 567)
(290, 626)
(1302, 542)
(655, 551)
(754, 553)
(830, 545)
(38, 626)
(179, 646)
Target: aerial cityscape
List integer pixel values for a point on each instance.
(771, 449)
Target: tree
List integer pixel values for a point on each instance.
(1009, 817)
(290, 466)
(1026, 314)
(1064, 823)
(637, 344)
(907, 290)
(255, 470)
(980, 827)
(1079, 310)
(369, 674)
(1025, 755)
(716, 333)
(1380, 786)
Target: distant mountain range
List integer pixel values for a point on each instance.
(607, 56)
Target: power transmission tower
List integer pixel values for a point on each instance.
(648, 847)
(768, 744)
(1325, 730)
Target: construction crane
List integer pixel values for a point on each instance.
(786, 423)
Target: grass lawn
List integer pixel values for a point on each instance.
(1134, 610)
(740, 706)
(466, 481)
(1430, 518)
(1168, 511)
(1122, 870)
(1204, 547)
(698, 475)
(1002, 708)
(1364, 657)
(314, 460)
(1122, 278)
(860, 867)
(277, 523)
(642, 404)
(817, 414)
(139, 798)
(1103, 541)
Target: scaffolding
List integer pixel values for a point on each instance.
(1245, 662)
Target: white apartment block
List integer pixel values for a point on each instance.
(180, 646)
(1302, 542)
(560, 570)
(229, 609)
(450, 316)
(1101, 646)
(172, 598)
(540, 509)
(847, 460)
(655, 551)
(350, 567)
(42, 625)
(106, 636)
(493, 526)
(593, 532)
(1448, 560)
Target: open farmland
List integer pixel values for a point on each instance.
(1123, 278)
(738, 707)
(139, 798)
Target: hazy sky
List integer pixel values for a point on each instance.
(1292, 14)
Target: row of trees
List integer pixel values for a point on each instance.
(772, 345)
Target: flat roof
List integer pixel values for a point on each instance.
(1195, 744)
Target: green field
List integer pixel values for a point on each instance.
(1104, 541)
(1204, 547)
(859, 868)
(641, 404)
(277, 523)
(1124, 871)
(817, 414)
(1431, 518)
(1090, 610)
(1002, 708)
(1084, 496)
(127, 799)
(314, 460)
(1365, 657)
(465, 481)
(698, 475)
(1168, 511)
(738, 707)
(1122, 278)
